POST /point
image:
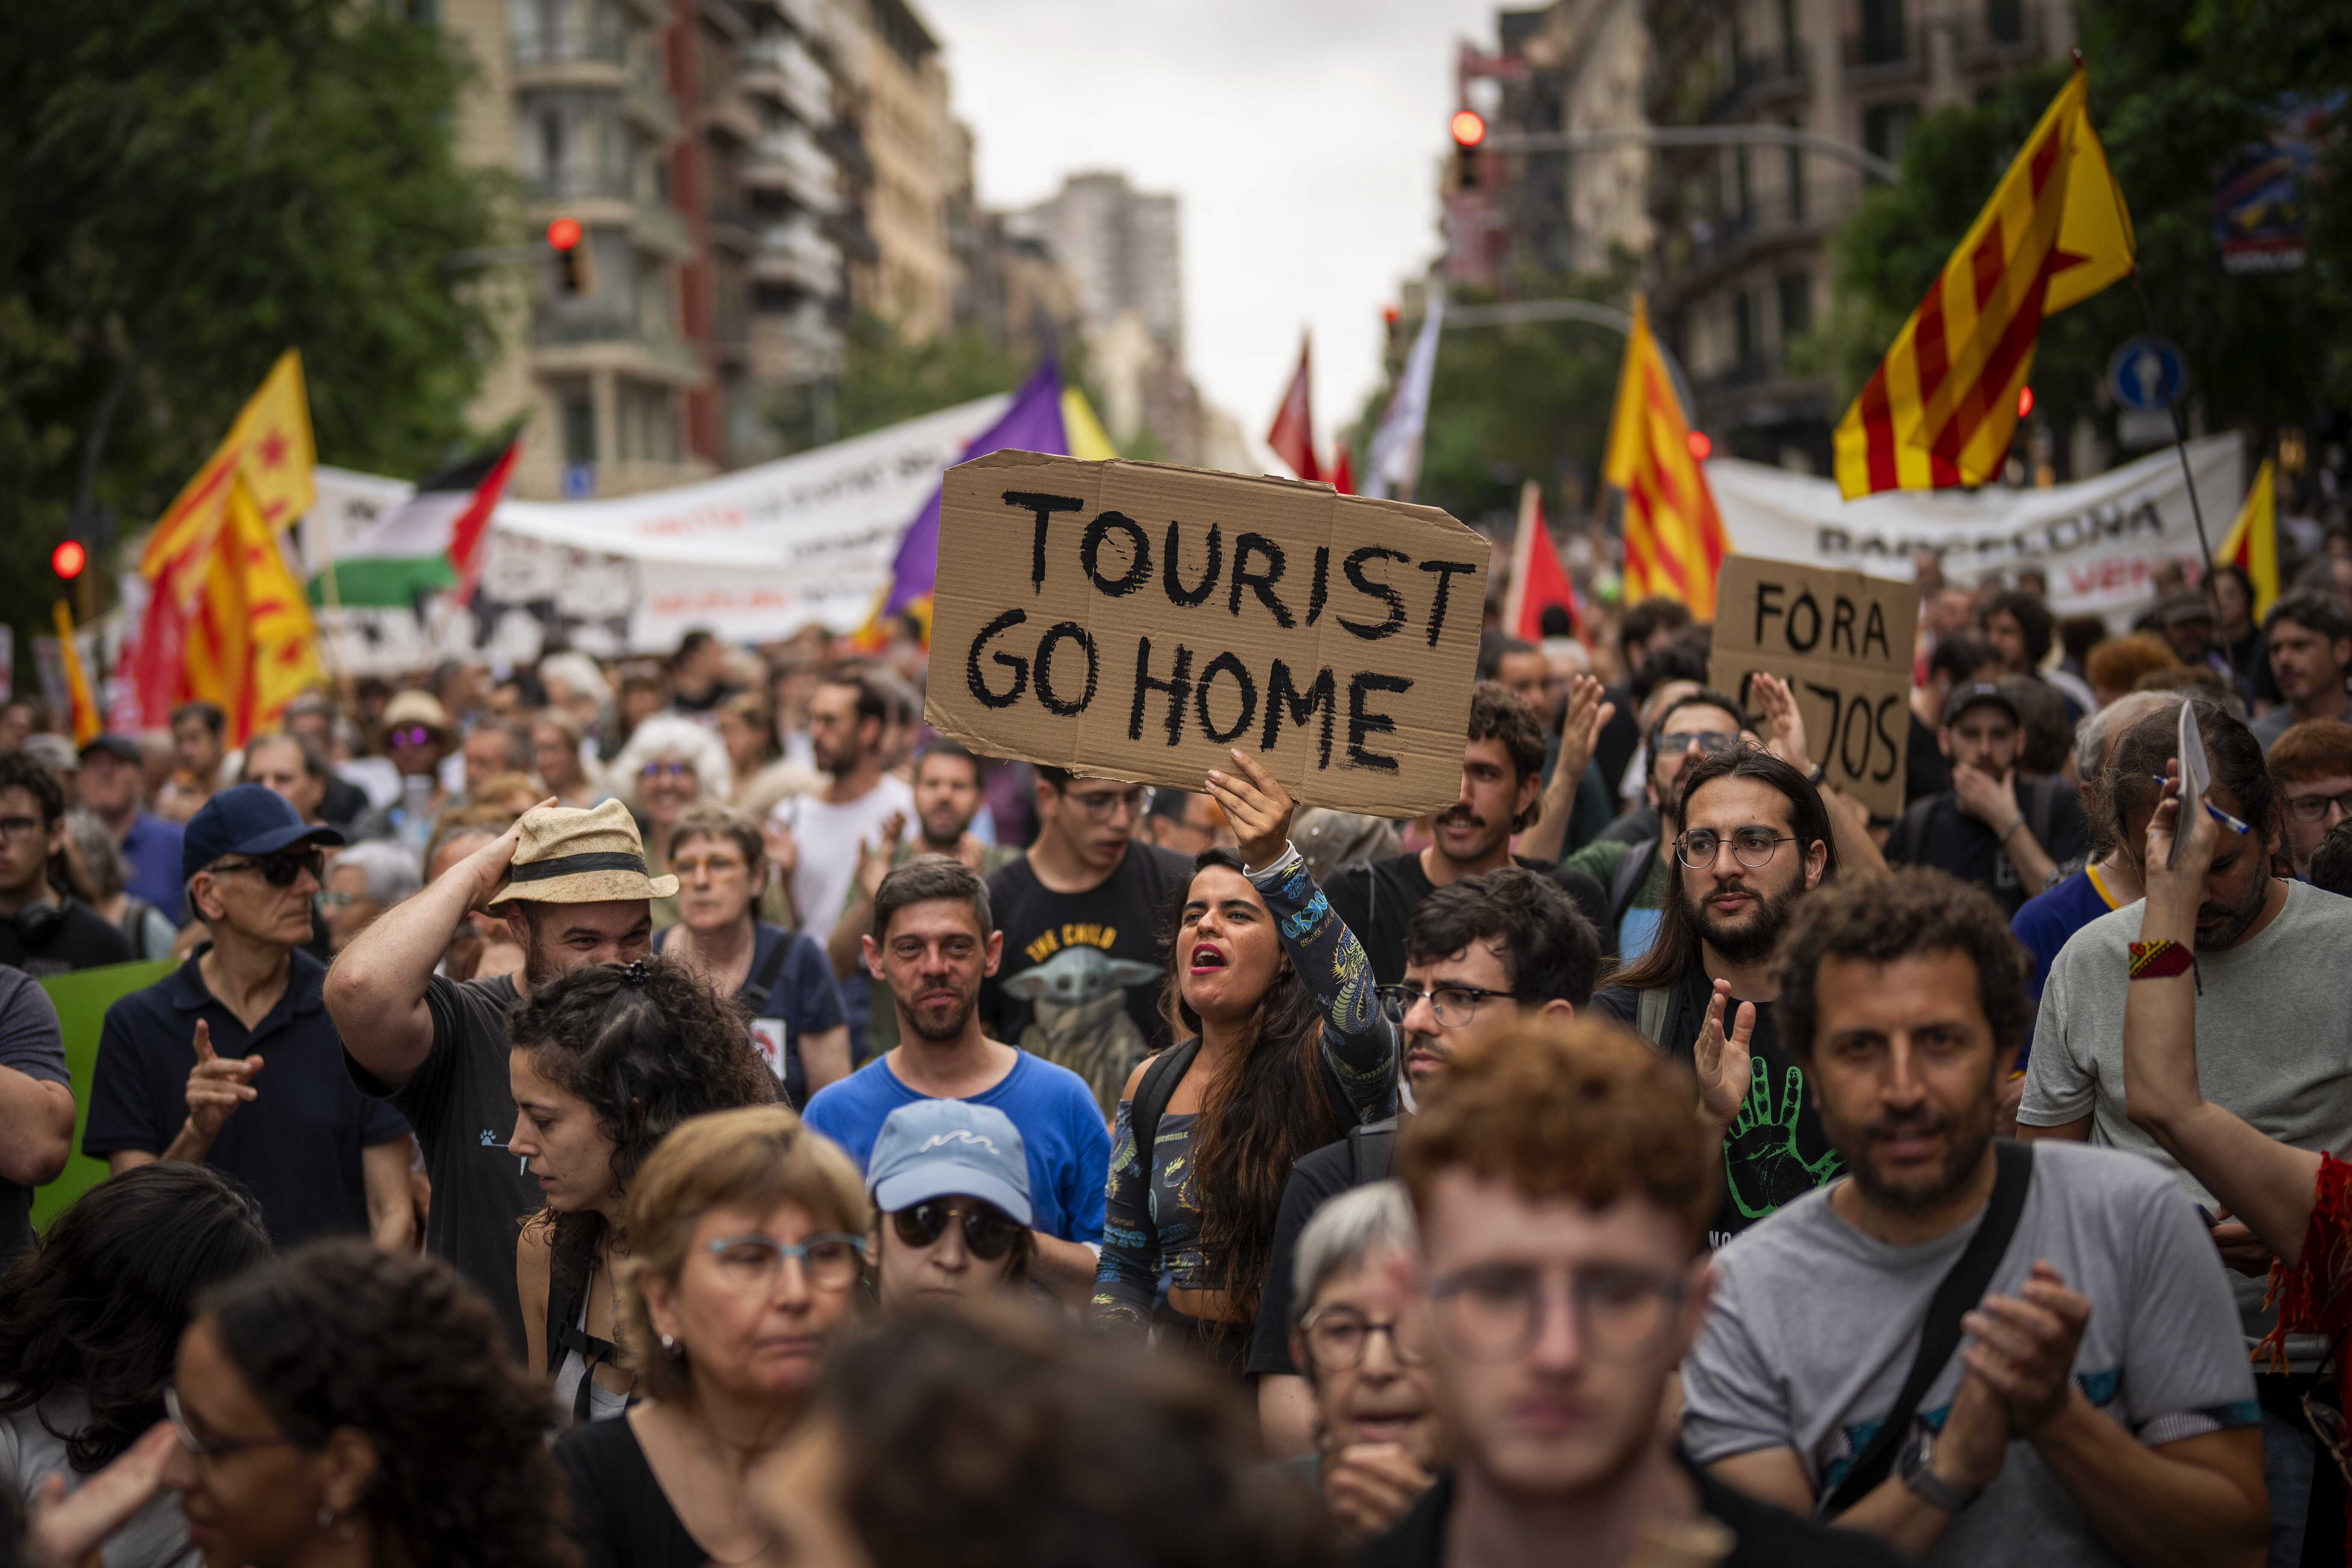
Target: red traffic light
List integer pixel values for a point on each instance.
(1468, 128)
(1699, 445)
(2024, 401)
(69, 559)
(563, 233)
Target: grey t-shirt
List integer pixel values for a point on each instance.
(2280, 719)
(2274, 1045)
(1813, 1327)
(32, 1043)
(156, 1536)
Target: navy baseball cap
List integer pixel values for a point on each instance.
(1963, 697)
(246, 819)
(935, 1147)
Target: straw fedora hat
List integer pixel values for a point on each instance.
(572, 857)
(417, 707)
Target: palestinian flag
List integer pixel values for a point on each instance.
(432, 542)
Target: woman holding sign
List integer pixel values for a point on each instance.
(1289, 1050)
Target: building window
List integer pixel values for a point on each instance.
(1796, 183)
(1883, 40)
(579, 430)
(1743, 327)
(1796, 305)
(1886, 129)
(1793, 49)
(1740, 172)
(2005, 20)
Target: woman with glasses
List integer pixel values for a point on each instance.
(782, 978)
(89, 1324)
(606, 1061)
(950, 1181)
(1289, 1051)
(351, 1406)
(747, 1244)
(1376, 1436)
(670, 764)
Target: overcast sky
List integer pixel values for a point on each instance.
(1304, 138)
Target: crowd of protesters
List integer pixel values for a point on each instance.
(637, 1113)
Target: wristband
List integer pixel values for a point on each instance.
(2015, 824)
(2161, 960)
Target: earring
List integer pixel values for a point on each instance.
(326, 1515)
(669, 1346)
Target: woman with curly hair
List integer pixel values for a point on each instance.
(746, 1240)
(606, 1061)
(1288, 1050)
(357, 1406)
(89, 1324)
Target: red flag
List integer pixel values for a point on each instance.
(470, 529)
(1293, 435)
(1538, 580)
(1342, 480)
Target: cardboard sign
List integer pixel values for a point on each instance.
(1136, 621)
(1842, 641)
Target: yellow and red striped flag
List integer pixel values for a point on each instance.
(1942, 406)
(1674, 538)
(2252, 544)
(86, 721)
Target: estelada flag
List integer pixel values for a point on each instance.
(86, 723)
(1942, 406)
(2252, 544)
(1292, 435)
(1674, 542)
(250, 648)
(1538, 579)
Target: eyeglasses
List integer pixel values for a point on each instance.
(1338, 1336)
(1675, 745)
(665, 770)
(416, 736)
(1103, 805)
(280, 868)
(212, 1448)
(716, 865)
(2307, 808)
(1751, 847)
(20, 828)
(987, 1234)
(1494, 1315)
(326, 900)
(1454, 1005)
(829, 1261)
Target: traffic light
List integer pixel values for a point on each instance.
(1469, 131)
(69, 559)
(576, 274)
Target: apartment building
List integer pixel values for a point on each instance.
(1740, 275)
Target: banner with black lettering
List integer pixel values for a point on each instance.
(2099, 541)
(1136, 621)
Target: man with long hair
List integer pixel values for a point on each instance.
(1753, 839)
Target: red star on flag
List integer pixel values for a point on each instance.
(273, 451)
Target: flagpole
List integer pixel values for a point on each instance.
(332, 597)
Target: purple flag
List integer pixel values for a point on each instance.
(1032, 424)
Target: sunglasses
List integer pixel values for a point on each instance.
(987, 1234)
(281, 868)
(418, 736)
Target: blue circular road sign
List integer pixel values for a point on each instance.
(2148, 374)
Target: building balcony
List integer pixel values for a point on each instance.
(729, 111)
(580, 339)
(780, 68)
(791, 161)
(652, 13)
(1999, 33)
(735, 227)
(1880, 58)
(1772, 77)
(565, 45)
(797, 252)
(660, 227)
(650, 107)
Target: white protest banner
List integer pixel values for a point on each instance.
(1136, 621)
(2098, 539)
(1843, 642)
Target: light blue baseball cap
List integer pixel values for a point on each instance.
(936, 1147)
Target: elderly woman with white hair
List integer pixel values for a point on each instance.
(670, 764)
(1377, 1438)
(362, 882)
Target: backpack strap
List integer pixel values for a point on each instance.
(2042, 811)
(1371, 1150)
(1625, 883)
(1160, 1077)
(1956, 1296)
(1912, 831)
(763, 985)
(1650, 1015)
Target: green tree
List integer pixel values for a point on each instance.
(193, 188)
(2176, 86)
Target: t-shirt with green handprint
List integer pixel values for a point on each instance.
(1775, 1150)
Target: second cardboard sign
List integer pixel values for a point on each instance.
(1136, 621)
